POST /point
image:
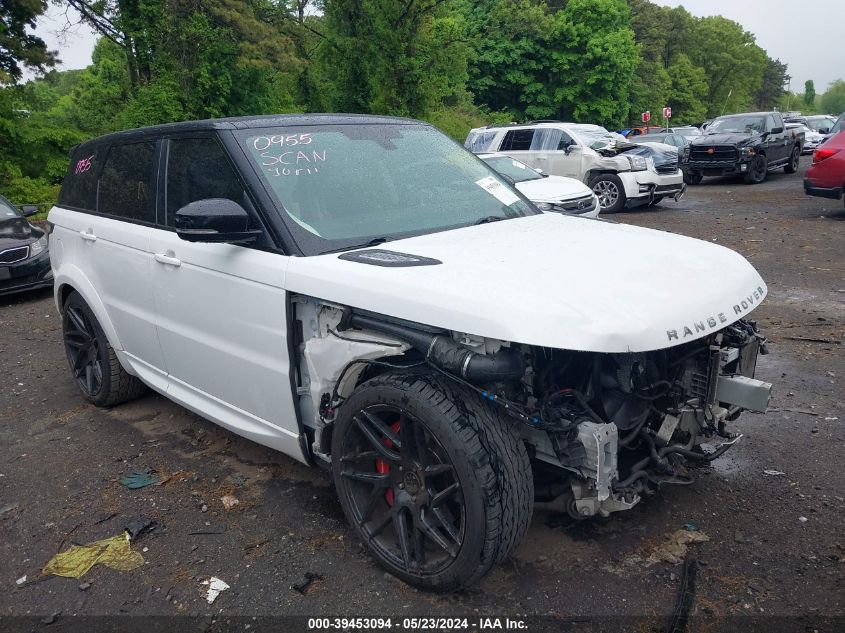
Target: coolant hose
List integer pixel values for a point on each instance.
(440, 349)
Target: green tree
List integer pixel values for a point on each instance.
(392, 57)
(17, 47)
(771, 89)
(809, 92)
(594, 69)
(688, 91)
(833, 99)
(732, 61)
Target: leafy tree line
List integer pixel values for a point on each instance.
(456, 63)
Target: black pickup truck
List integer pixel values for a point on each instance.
(750, 144)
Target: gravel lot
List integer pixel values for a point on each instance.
(776, 546)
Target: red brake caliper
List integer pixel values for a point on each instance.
(383, 467)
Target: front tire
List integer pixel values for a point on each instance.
(693, 177)
(610, 192)
(758, 168)
(93, 362)
(434, 481)
(792, 166)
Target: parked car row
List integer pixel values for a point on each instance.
(619, 172)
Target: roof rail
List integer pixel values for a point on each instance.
(542, 121)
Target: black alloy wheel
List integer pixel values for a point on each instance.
(757, 170)
(434, 480)
(403, 490)
(83, 351)
(93, 362)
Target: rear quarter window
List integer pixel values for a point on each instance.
(79, 188)
(126, 188)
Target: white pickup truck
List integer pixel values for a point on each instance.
(622, 174)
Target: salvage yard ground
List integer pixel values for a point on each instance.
(776, 541)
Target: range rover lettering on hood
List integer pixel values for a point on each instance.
(717, 321)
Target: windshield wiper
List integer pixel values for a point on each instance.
(373, 242)
(487, 219)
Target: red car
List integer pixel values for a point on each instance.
(826, 176)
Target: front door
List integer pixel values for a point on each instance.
(221, 309)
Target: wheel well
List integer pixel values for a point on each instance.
(598, 172)
(64, 293)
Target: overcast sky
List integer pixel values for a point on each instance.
(804, 34)
(808, 41)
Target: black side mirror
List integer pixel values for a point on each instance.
(214, 220)
(824, 130)
(777, 130)
(29, 210)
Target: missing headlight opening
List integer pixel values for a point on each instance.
(602, 429)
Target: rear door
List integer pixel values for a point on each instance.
(105, 233)
(221, 309)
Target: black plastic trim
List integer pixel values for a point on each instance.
(388, 259)
(834, 193)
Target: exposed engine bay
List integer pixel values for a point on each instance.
(603, 430)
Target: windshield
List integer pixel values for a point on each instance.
(738, 124)
(520, 172)
(340, 186)
(687, 131)
(11, 222)
(594, 136)
(651, 138)
(820, 123)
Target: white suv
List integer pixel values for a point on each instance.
(621, 173)
(365, 295)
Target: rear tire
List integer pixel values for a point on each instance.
(792, 166)
(610, 191)
(93, 362)
(389, 435)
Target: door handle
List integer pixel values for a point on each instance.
(161, 258)
(88, 236)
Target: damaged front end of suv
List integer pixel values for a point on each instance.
(602, 429)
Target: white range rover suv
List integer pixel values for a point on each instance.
(621, 173)
(364, 295)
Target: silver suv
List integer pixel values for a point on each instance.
(620, 173)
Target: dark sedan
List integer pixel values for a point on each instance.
(24, 260)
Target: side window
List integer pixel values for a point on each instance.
(778, 121)
(198, 168)
(517, 140)
(565, 141)
(545, 139)
(126, 186)
(478, 142)
(79, 188)
(770, 123)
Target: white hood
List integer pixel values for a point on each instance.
(550, 280)
(553, 189)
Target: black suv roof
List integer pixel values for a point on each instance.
(246, 122)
